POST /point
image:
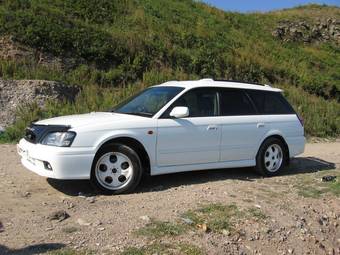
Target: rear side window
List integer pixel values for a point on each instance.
(270, 102)
(235, 102)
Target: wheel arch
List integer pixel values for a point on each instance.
(281, 138)
(134, 144)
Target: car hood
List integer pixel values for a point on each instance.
(88, 119)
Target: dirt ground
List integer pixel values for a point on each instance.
(294, 213)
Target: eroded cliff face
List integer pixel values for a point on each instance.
(327, 30)
(15, 93)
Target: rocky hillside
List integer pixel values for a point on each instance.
(17, 93)
(109, 45)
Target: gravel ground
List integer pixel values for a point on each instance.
(295, 213)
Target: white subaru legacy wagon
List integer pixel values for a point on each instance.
(173, 127)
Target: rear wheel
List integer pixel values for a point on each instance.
(116, 169)
(271, 157)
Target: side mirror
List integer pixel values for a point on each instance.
(179, 112)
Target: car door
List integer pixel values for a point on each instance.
(194, 139)
(242, 127)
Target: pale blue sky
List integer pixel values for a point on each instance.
(263, 5)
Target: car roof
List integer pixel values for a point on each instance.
(218, 84)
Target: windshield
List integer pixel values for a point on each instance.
(148, 102)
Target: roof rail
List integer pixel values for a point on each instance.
(245, 82)
(206, 79)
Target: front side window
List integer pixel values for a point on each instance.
(148, 102)
(201, 102)
(235, 102)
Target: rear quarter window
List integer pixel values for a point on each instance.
(268, 102)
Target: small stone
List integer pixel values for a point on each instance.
(290, 251)
(91, 200)
(101, 229)
(203, 227)
(82, 222)
(97, 223)
(187, 221)
(58, 215)
(27, 194)
(81, 194)
(225, 232)
(145, 218)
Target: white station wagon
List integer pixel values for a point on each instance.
(173, 127)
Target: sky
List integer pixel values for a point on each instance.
(263, 5)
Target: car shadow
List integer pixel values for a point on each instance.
(32, 249)
(300, 165)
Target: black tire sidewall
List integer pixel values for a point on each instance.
(260, 165)
(136, 163)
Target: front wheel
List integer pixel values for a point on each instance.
(271, 157)
(116, 169)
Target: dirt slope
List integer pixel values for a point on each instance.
(294, 213)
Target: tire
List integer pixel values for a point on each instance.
(272, 157)
(116, 169)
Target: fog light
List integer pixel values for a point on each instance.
(47, 165)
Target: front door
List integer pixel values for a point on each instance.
(194, 139)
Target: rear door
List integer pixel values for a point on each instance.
(242, 127)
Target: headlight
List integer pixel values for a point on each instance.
(61, 139)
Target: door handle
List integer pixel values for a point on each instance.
(212, 127)
(260, 125)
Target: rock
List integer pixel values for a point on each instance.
(58, 215)
(145, 218)
(328, 178)
(203, 227)
(82, 222)
(15, 93)
(187, 221)
(2, 229)
(226, 232)
(290, 251)
(97, 223)
(308, 32)
(91, 200)
(27, 194)
(2, 129)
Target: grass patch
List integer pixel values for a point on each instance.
(257, 213)
(217, 217)
(310, 192)
(161, 248)
(334, 187)
(159, 229)
(312, 187)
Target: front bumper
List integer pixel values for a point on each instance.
(66, 162)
